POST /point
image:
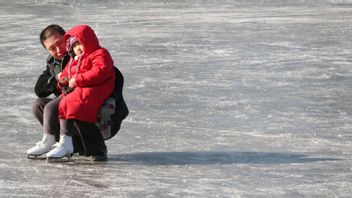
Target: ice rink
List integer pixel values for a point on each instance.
(227, 98)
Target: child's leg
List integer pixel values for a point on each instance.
(38, 108)
(50, 118)
(50, 128)
(65, 145)
(66, 127)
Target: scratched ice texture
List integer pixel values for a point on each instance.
(237, 98)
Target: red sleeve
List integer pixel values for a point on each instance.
(102, 68)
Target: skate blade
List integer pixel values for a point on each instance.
(36, 157)
(66, 158)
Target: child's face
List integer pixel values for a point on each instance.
(78, 48)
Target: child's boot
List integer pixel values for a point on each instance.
(63, 148)
(42, 146)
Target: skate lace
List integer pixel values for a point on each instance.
(57, 145)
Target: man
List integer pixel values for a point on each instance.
(87, 139)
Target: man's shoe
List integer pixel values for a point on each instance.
(101, 157)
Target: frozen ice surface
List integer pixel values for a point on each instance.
(227, 99)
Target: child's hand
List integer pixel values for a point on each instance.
(63, 82)
(59, 75)
(72, 83)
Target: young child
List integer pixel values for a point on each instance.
(87, 81)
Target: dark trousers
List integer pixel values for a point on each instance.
(86, 137)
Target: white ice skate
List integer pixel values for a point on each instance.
(42, 146)
(63, 148)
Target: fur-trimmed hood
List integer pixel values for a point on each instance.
(86, 36)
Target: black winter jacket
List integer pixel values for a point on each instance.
(121, 109)
(47, 81)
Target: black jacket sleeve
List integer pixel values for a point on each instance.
(46, 84)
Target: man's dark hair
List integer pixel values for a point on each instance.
(50, 30)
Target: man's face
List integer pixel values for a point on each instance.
(56, 46)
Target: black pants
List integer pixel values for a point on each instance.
(87, 139)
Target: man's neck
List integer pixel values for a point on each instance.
(52, 60)
(58, 61)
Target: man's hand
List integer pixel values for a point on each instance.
(72, 83)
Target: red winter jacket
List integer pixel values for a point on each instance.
(94, 80)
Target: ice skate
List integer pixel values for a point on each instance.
(63, 148)
(41, 147)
